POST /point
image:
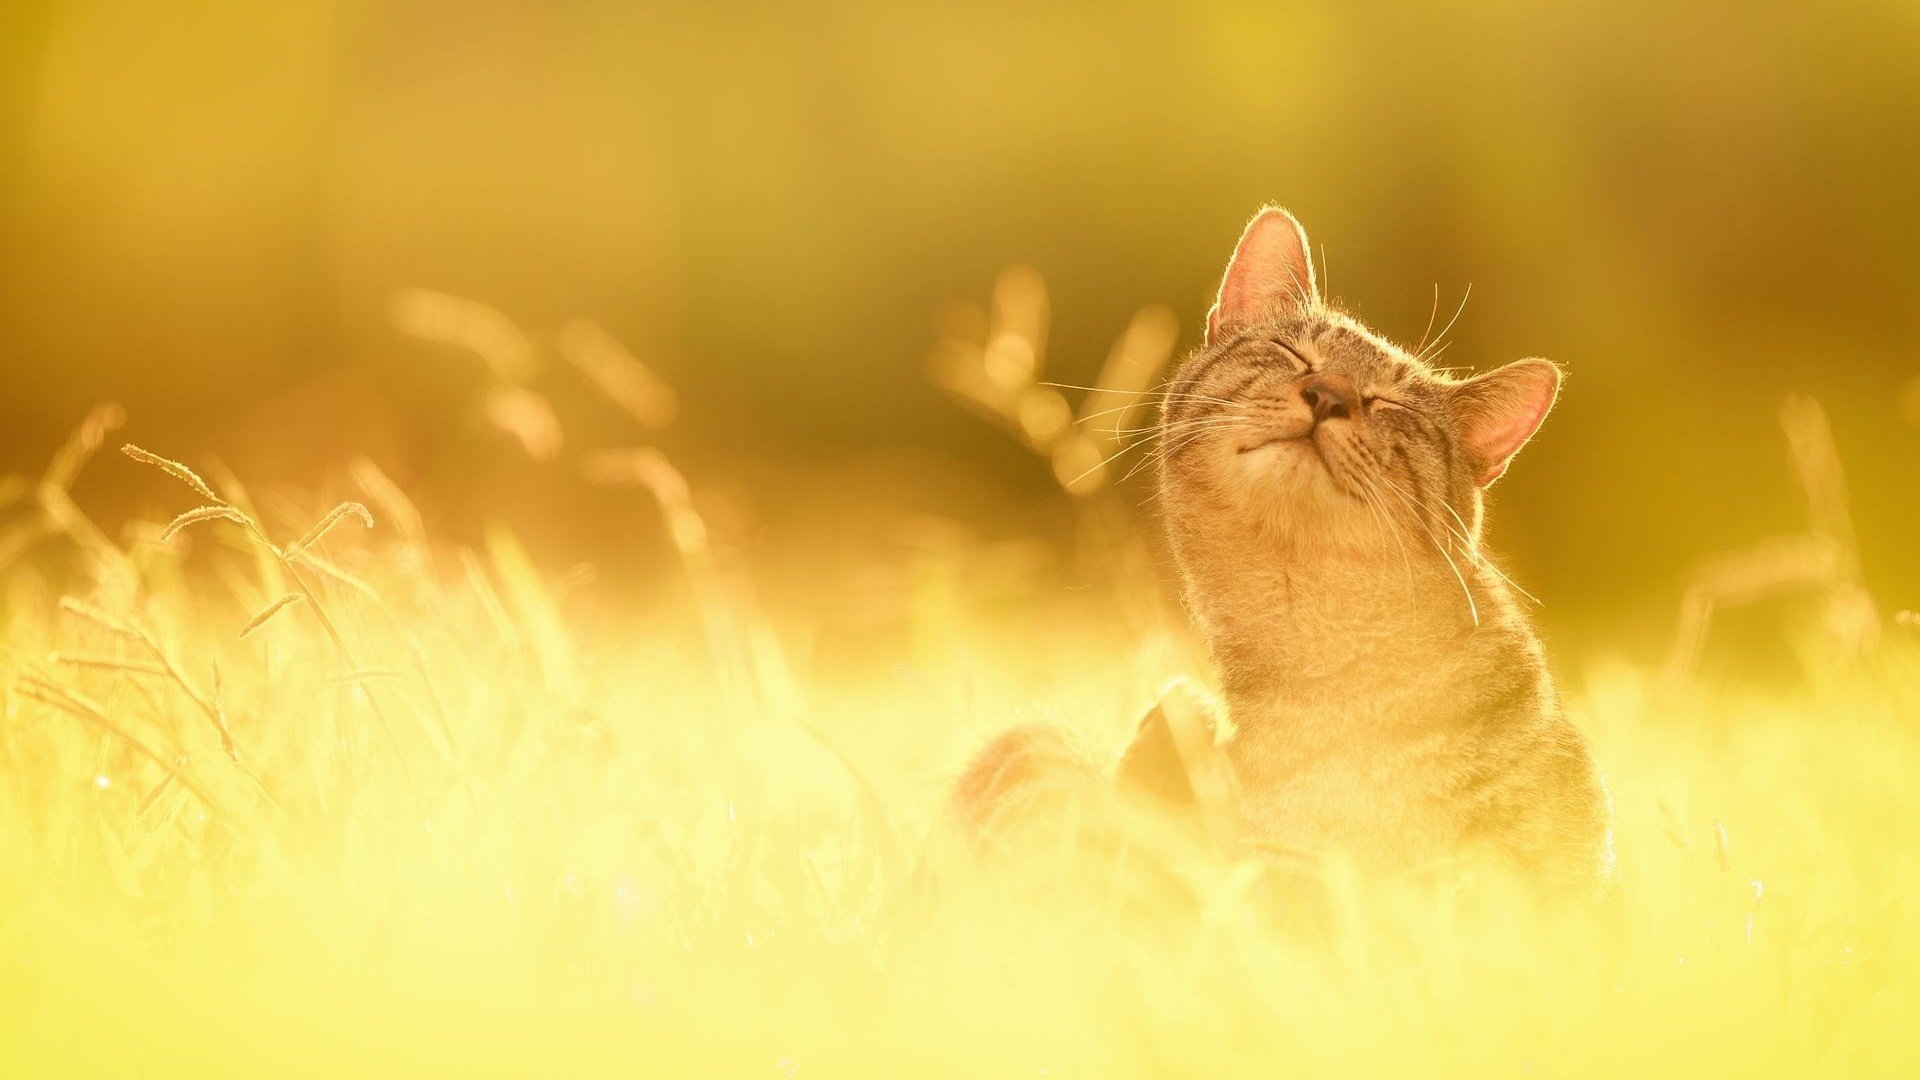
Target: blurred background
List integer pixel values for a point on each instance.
(206, 211)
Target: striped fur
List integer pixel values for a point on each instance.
(1391, 704)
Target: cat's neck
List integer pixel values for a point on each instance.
(1291, 626)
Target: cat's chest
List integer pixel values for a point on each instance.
(1384, 718)
(1329, 770)
(1338, 647)
(1340, 717)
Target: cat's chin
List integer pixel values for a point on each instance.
(1285, 484)
(1291, 466)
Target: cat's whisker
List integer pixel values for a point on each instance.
(1163, 403)
(1110, 459)
(1235, 411)
(1380, 513)
(1367, 500)
(1439, 346)
(1473, 549)
(1178, 425)
(1367, 478)
(1161, 453)
(1184, 426)
(1163, 399)
(1094, 389)
(1432, 314)
(1200, 424)
(1169, 447)
(1155, 392)
(1473, 608)
(1420, 509)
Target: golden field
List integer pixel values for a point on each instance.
(570, 683)
(359, 803)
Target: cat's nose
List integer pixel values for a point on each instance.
(1328, 397)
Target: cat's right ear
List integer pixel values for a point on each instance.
(1271, 273)
(1500, 410)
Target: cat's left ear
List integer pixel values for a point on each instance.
(1271, 273)
(1499, 411)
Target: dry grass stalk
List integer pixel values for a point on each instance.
(269, 562)
(332, 572)
(1823, 560)
(489, 597)
(59, 514)
(83, 443)
(74, 703)
(269, 612)
(648, 468)
(1140, 354)
(132, 629)
(618, 374)
(284, 560)
(174, 469)
(755, 675)
(395, 507)
(326, 525)
(115, 574)
(73, 605)
(199, 514)
(222, 509)
(1000, 379)
(467, 324)
(109, 663)
(529, 418)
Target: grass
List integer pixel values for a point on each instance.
(359, 803)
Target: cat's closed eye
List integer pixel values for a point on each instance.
(1293, 356)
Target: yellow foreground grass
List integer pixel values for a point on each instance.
(423, 819)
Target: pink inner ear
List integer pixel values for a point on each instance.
(1270, 272)
(1507, 407)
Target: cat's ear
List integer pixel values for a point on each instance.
(1271, 272)
(1499, 411)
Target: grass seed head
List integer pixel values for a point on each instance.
(269, 612)
(326, 525)
(174, 469)
(199, 514)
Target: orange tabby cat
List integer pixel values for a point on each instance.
(1323, 494)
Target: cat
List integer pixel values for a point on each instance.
(1387, 702)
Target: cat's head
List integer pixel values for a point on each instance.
(1295, 424)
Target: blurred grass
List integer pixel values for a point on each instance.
(444, 815)
(208, 208)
